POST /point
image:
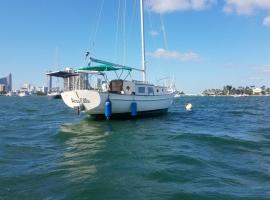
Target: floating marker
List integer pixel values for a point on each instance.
(188, 106)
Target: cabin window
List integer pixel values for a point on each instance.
(157, 90)
(141, 89)
(150, 90)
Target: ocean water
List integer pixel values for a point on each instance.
(219, 150)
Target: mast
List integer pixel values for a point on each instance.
(142, 41)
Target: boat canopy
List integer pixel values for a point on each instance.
(104, 67)
(62, 74)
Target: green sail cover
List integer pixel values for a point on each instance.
(101, 68)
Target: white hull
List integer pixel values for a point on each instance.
(23, 94)
(177, 96)
(93, 101)
(54, 95)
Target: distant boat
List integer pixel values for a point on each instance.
(23, 94)
(177, 95)
(9, 94)
(239, 95)
(54, 95)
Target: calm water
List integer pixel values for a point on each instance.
(220, 150)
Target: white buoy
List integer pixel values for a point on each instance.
(188, 106)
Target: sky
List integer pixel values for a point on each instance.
(201, 44)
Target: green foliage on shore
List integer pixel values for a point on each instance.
(41, 93)
(229, 90)
(3, 93)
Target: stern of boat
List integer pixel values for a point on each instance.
(86, 100)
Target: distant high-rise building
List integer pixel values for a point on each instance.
(79, 82)
(7, 81)
(2, 88)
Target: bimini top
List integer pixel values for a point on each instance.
(62, 74)
(105, 66)
(102, 68)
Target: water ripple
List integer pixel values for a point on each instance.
(219, 150)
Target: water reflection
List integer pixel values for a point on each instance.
(81, 142)
(89, 146)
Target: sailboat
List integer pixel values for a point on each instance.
(116, 97)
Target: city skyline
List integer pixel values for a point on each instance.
(202, 44)
(7, 82)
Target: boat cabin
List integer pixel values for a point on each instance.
(122, 87)
(134, 87)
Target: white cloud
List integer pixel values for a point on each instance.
(266, 68)
(167, 6)
(260, 72)
(255, 78)
(246, 7)
(153, 33)
(175, 55)
(266, 21)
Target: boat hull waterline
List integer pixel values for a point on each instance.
(93, 102)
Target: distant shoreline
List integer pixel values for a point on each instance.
(222, 95)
